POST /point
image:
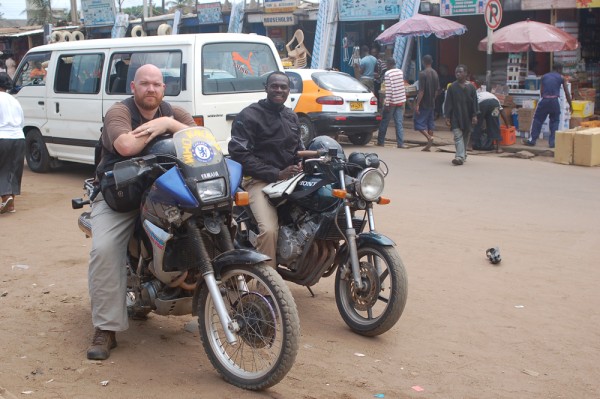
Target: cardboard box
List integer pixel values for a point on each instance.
(525, 118)
(581, 109)
(586, 147)
(563, 150)
(576, 122)
(585, 94)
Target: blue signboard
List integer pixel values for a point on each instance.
(98, 12)
(352, 10)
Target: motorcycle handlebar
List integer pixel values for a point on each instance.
(308, 154)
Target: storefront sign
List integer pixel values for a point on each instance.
(588, 3)
(352, 10)
(547, 4)
(98, 12)
(449, 8)
(286, 19)
(209, 13)
(280, 5)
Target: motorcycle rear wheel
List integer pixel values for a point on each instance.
(377, 308)
(269, 327)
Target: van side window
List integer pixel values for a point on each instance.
(123, 66)
(79, 73)
(32, 71)
(236, 67)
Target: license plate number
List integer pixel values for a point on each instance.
(356, 106)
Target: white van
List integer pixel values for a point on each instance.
(65, 88)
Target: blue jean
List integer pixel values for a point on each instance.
(397, 111)
(546, 107)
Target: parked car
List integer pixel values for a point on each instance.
(332, 103)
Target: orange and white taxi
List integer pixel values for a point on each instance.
(332, 103)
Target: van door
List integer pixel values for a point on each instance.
(233, 76)
(75, 105)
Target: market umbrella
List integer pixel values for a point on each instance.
(421, 25)
(530, 35)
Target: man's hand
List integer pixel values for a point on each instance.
(474, 120)
(290, 172)
(448, 122)
(155, 127)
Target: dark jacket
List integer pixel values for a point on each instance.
(265, 139)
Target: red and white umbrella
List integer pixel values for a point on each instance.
(530, 35)
(421, 25)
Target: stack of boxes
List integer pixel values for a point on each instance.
(516, 70)
(568, 59)
(579, 146)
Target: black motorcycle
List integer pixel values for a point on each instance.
(323, 213)
(182, 260)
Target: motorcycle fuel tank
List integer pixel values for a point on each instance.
(322, 200)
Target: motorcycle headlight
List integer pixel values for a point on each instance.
(370, 183)
(211, 189)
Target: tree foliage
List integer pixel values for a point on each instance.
(39, 12)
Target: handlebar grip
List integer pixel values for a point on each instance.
(308, 154)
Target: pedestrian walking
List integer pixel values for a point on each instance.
(429, 89)
(12, 146)
(393, 107)
(460, 110)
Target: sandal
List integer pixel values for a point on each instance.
(6, 206)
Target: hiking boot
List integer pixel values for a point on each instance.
(102, 343)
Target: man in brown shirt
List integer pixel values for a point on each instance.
(128, 127)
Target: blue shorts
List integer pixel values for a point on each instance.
(424, 119)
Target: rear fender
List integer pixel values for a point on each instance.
(245, 257)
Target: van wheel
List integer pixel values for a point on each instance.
(307, 130)
(36, 152)
(363, 138)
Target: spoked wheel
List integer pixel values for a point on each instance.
(258, 299)
(376, 307)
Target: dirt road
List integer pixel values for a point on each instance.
(526, 328)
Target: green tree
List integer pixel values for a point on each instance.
(1, 13)
(138, 11)
(39, 12)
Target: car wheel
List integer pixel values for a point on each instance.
(307, 130)
(36, 152)
(363, 138)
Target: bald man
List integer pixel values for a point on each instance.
(128, 127)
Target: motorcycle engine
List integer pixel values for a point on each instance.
(291, 242)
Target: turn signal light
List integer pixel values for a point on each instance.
(199, 120)
(383, 201)
(336, 192)
(242, 198)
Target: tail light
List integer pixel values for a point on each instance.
(373, 100)
(330, 100)
(199, 120)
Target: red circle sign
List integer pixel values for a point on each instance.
(493, 14)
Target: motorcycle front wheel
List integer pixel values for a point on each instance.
(269, 327)
(376, 307)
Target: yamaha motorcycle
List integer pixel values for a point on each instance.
(182, 260)
(323, 215)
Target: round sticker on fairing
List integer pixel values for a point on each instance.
(202, 151)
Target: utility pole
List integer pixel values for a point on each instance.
(74, 15)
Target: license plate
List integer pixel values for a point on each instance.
(356, 106)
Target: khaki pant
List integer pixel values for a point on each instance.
(266, 217)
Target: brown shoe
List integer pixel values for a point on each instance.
(102, 343)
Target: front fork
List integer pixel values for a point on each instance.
(351, 238)
(230, 326)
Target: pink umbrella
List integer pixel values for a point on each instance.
(530, 35)
(421, 25)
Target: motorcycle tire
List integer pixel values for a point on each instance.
(378, 307)
(262, 304)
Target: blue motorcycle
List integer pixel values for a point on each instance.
(182, 260)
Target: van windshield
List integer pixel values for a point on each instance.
(236, 67)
